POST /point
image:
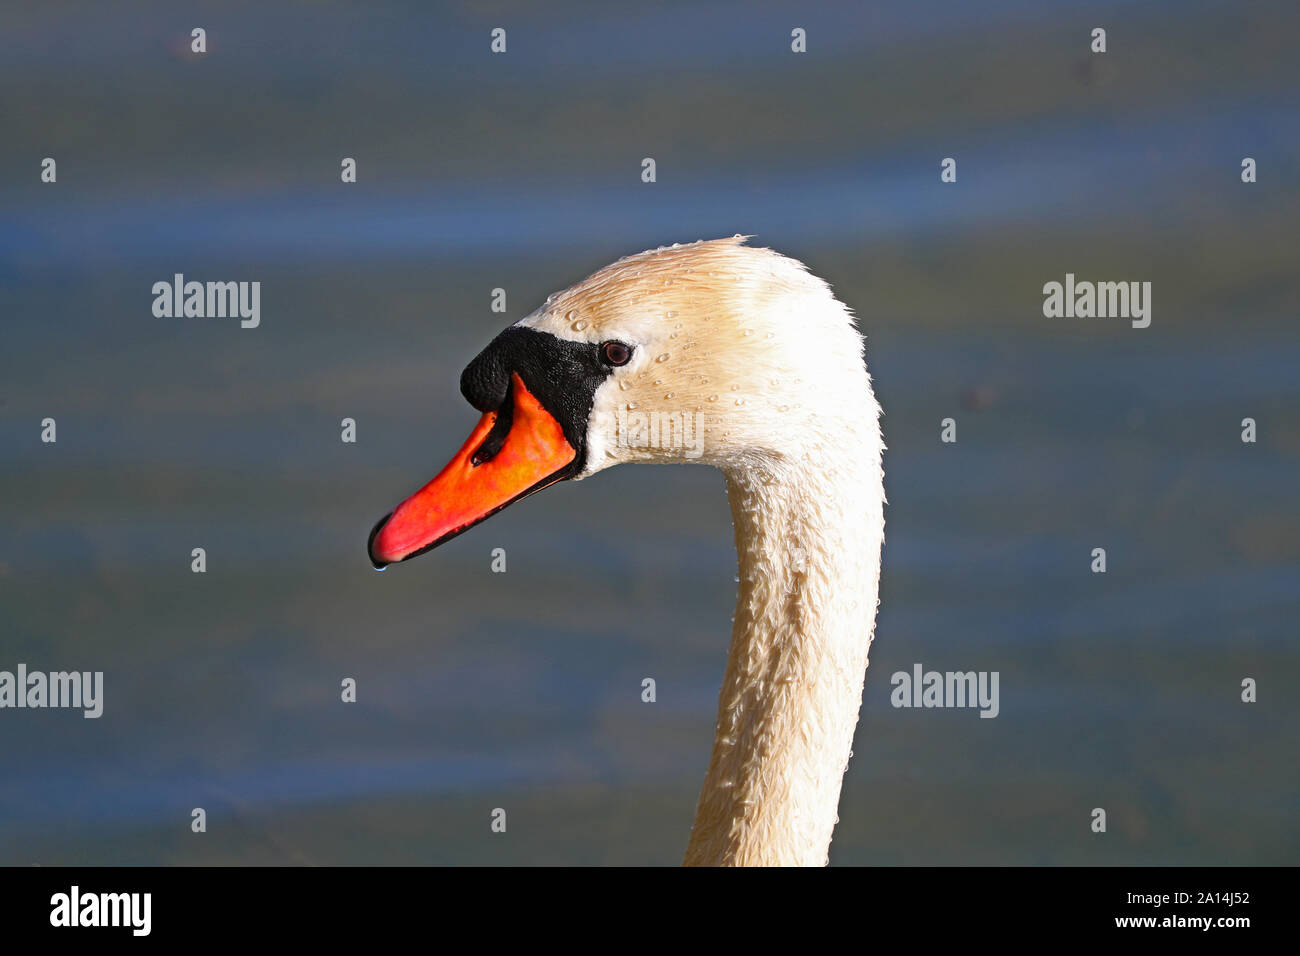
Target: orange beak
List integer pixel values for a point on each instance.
(512, 452)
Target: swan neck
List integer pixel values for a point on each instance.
(808, 542)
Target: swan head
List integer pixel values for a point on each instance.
(714, 352)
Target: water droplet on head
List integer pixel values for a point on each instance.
(669, 395)
(713, 398)
(662, 358)
(631, 405)
(740, 401)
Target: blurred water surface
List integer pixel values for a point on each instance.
(521, 690)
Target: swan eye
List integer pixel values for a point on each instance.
(615, 353)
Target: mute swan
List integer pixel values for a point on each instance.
(750, 348)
